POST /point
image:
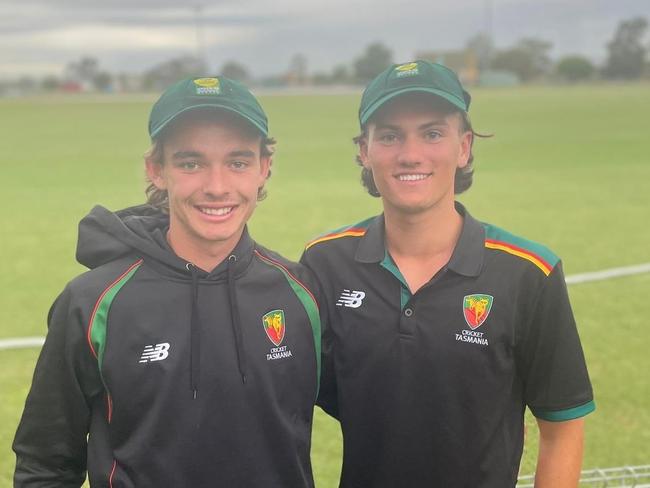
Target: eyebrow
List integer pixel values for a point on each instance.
(186, 154)
(434, 123)
(244, 153)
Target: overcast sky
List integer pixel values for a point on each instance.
(41, 36)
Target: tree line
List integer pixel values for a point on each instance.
(528, 60)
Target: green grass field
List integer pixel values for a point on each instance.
(568, 166)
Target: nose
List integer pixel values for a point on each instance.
(409, 153)
(215, 182)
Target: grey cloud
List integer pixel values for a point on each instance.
(327, 33)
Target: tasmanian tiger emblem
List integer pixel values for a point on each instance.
(476, 309)
(274, 326)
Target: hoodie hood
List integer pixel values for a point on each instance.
(141, 231)
(105, 236)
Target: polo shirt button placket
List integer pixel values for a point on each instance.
(407, 322)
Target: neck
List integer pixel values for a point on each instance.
(206, 255)
(423, 235)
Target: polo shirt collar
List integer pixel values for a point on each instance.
(371, 247)
(466, 260)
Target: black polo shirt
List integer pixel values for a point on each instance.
(430, 388)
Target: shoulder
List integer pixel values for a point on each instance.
(298, 275)
(341, 234)
(519, 250)
(86, 293)
(101, 280)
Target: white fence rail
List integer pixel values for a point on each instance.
(21, 342)
(605, 274)
(623, 477)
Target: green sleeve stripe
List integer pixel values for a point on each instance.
(498, 234)
(310, 305)
(99, 318)
(568, 414)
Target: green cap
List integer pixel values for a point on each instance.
(218, 92)
(417, 76)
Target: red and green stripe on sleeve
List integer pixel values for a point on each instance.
(501, 240)
(98, 323)
(356, 230)
(309, 303)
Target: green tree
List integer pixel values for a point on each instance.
(340, 74)
(102, 81)
(575, 68)
(164, 74)
(373, 61)
(528, 59)
(235, 71)
(50, 83)
(84, 70)
(626, 52)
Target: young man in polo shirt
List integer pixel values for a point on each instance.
(188, 356)
(442, 328)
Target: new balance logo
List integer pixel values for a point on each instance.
(155, 353)
(351, 298)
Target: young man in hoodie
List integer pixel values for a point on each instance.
(442, 329)
(188, 355)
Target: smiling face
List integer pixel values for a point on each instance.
(212, 170)
(413, 145)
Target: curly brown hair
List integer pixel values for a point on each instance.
(159, 198)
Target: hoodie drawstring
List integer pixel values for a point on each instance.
(234, 312)
(195, 333)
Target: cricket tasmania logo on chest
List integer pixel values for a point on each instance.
(476, 309)
(275, 327)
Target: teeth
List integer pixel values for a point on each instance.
(216, 211)
(412, 177)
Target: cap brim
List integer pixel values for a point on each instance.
(157, 131)
(460, 104)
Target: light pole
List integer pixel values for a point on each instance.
(200, 39)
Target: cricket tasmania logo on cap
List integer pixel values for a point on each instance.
(476, 309)
(207, 86)
(274, 326)
(408, 69)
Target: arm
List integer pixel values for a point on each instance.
(327, 397)
(557, 386)
(560, 453)
(50, 442)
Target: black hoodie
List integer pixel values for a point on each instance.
(155, 373)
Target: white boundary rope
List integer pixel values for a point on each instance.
(605, 274)
(21, 342)
(623, 477)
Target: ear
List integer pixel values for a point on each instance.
(465, 148)
(363, 150)
(155, 173)
(265, 167)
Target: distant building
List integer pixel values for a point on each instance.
(71, 86)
